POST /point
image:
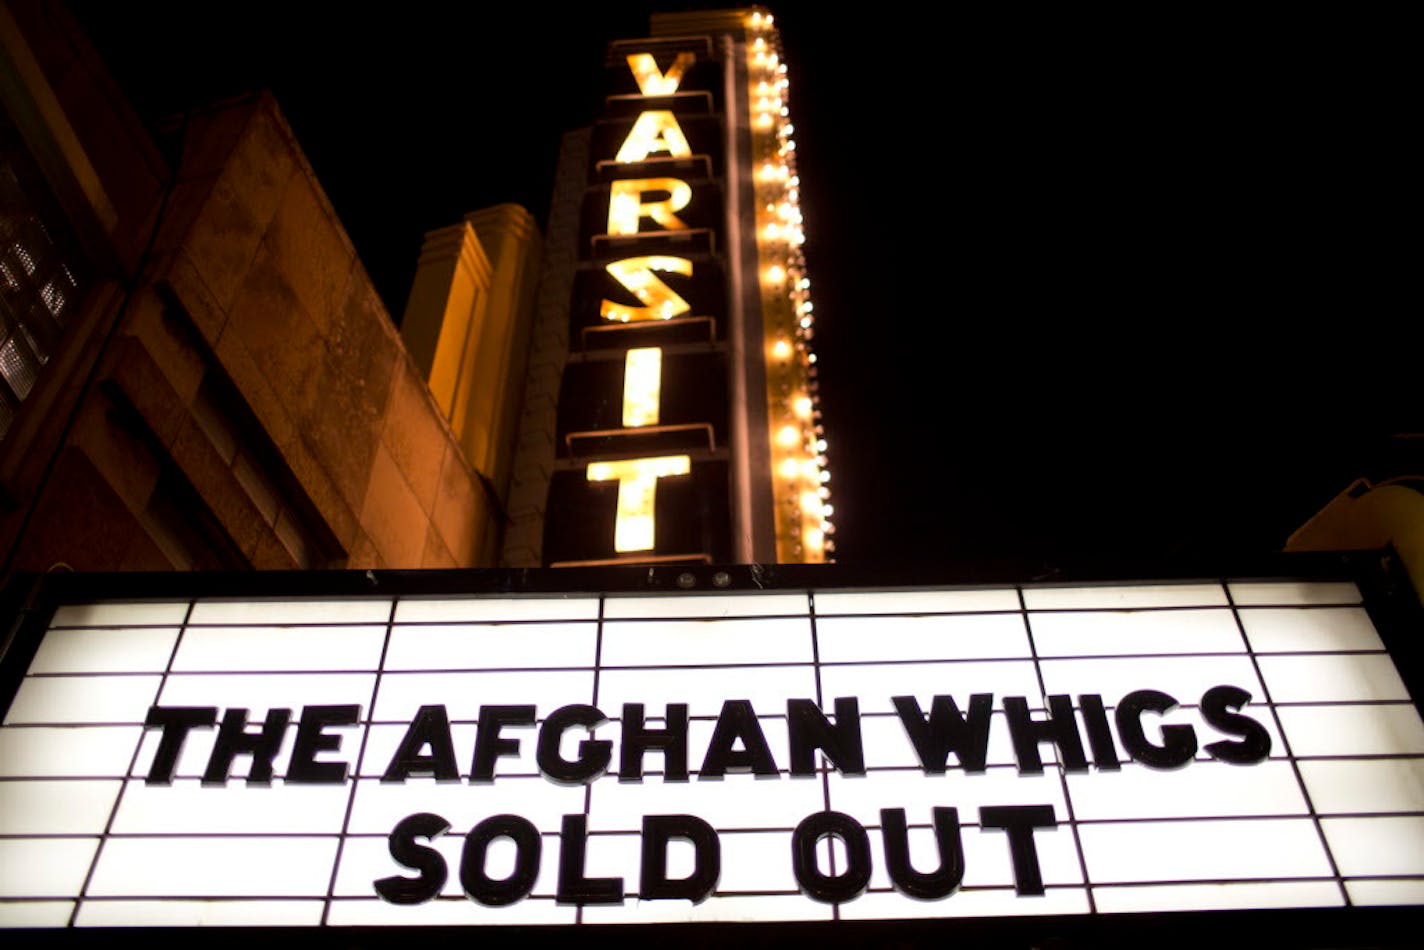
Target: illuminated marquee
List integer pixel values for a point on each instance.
(749, 756)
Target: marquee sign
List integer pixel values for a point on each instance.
(774, 755)
(688, 422)
(641, 430)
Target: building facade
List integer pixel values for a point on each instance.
(197, 372)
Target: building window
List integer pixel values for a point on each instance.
(41, 274)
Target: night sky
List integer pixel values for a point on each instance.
(1088, 293)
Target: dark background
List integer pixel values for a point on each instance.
(1089, 292)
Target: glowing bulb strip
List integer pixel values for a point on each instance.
(798, 461)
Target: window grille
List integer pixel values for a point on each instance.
(41, 274)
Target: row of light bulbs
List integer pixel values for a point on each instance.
(800, 444)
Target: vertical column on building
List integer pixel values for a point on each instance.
(467, 326)
(535, 447)
(787, 501)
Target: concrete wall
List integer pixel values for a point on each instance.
(237, 394)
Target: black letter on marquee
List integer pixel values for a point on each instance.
(637, 739)
(482, 888)
(574, 888)
(405, 890)
(808, 730)
(234, 740)
(489, 745)
(1019, 821)
(737, 721)
(947, 731)
(303, 767)
(1179, 743)
(941, 882)
(1060, 728)
(843, 887)
(594, 754)
(654, 883)
(1100, 740)
(175, 722)
(1220, 707)
(431, 726)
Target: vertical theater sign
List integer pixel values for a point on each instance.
(687, 424)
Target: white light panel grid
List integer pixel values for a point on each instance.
(1333, 816)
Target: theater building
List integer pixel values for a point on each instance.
(732, 743)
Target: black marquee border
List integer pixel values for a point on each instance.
(28, 602)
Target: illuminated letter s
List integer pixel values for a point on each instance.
(636, 274)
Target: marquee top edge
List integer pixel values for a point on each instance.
(674, 580)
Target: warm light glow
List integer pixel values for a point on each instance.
(780, 236)
(642, 386)
(626, 207)
(654, 82)
(772, 171)
(636, 274)
(655, 131)
(637, 493)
